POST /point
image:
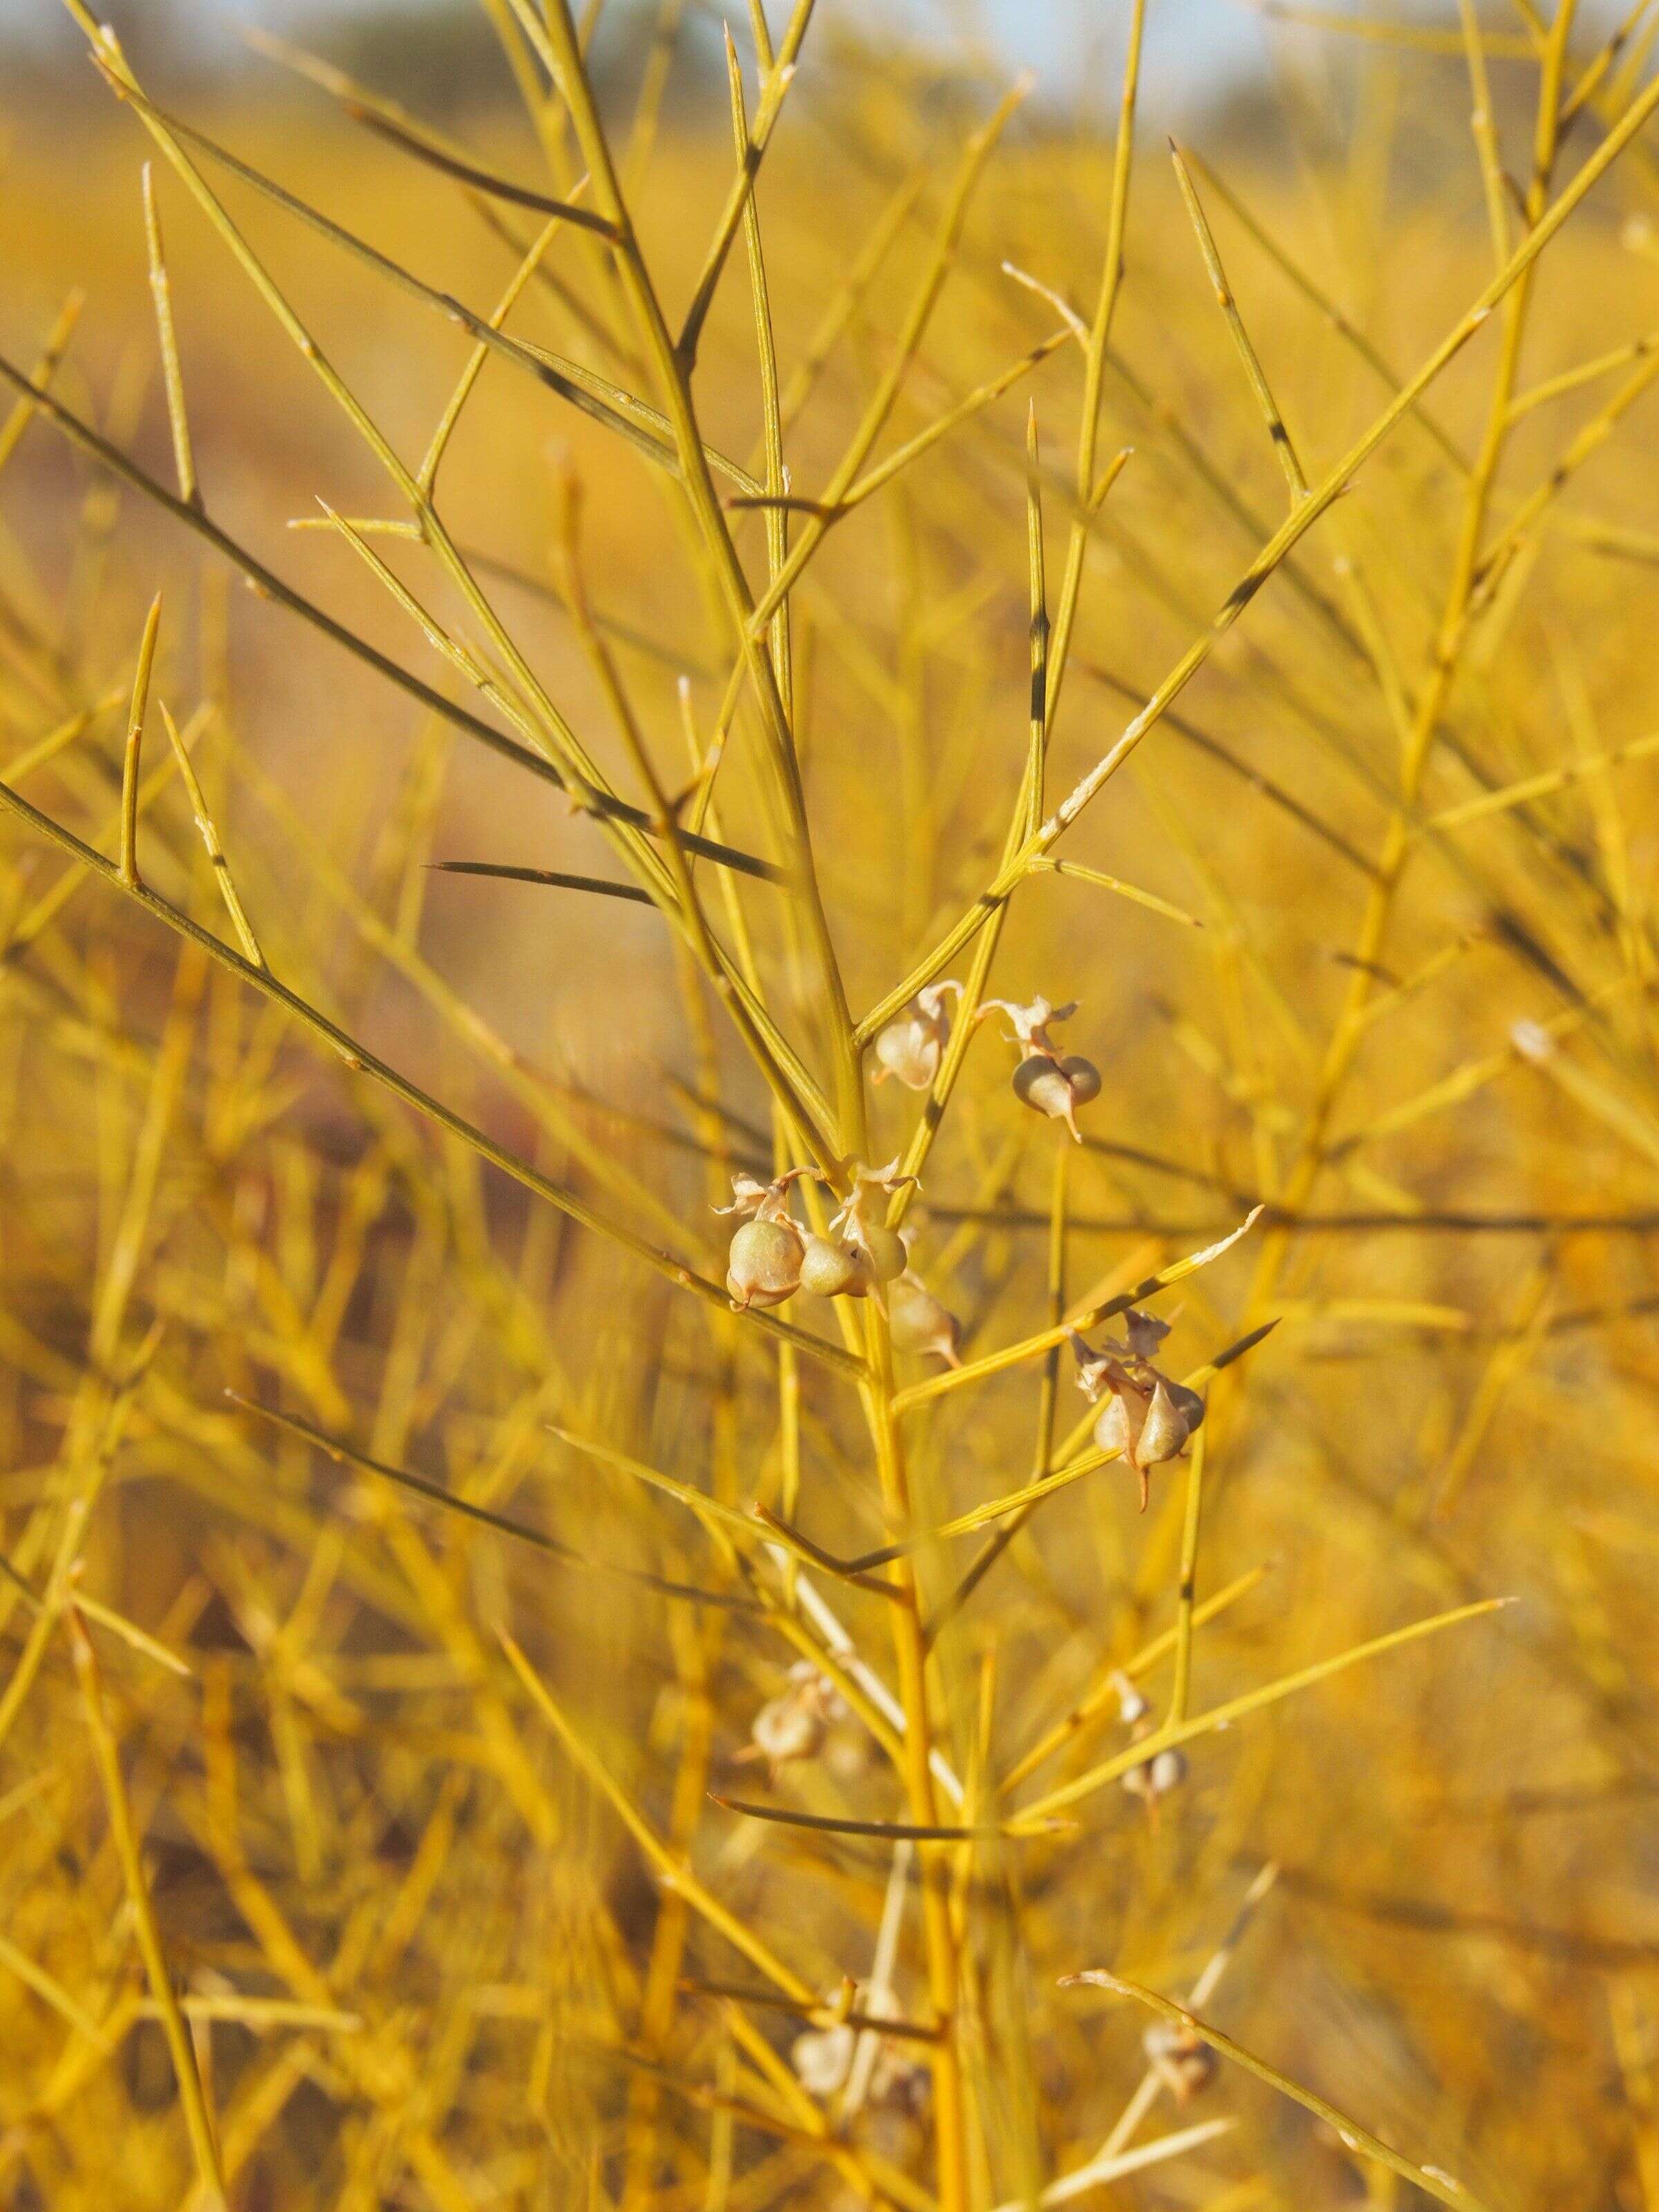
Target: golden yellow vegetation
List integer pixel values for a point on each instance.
(484, 1718)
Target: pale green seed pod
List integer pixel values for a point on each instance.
(832, 1270)
(883, 1248)
(1174, 1413)
(1113, 1430)
(922, 1322)
(764, 1264)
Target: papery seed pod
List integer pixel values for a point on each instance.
(823, 2058)
(883, 1248)
(1048, 1080)
(910, 1048)
(1156, 1776)
(1145, 1428)
(1057, 1087)
(1147, 1419)
(1166, 1771)
(1114, 1428)
(1117, 1429)
(794, 1724)
(906, 1050)
(830, 1269)
(1131, 1706)
(788, 1728)
(764, 1264)
(1181, 2059)
(922, 1322)
(1172, 1415)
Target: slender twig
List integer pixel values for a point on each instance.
(132, 752)
(172, 373)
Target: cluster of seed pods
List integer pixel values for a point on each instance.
(772, 1257)
(911, 1047)
(1147, 1419)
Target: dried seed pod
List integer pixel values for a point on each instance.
(764, 1264)
(1147, 1428)
(788, 1728)
(1113, 1430)
(1131, 1706)
(794, 1724)
(882, 1247)
(1172, 1414)
(1057, 1087)
(1147, 1419)
(823, 2058)
(1182, 2061)
(1048, 1080)
(830, 1269)
(910, 1048)
(922, 1322)
(1156, 1776)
